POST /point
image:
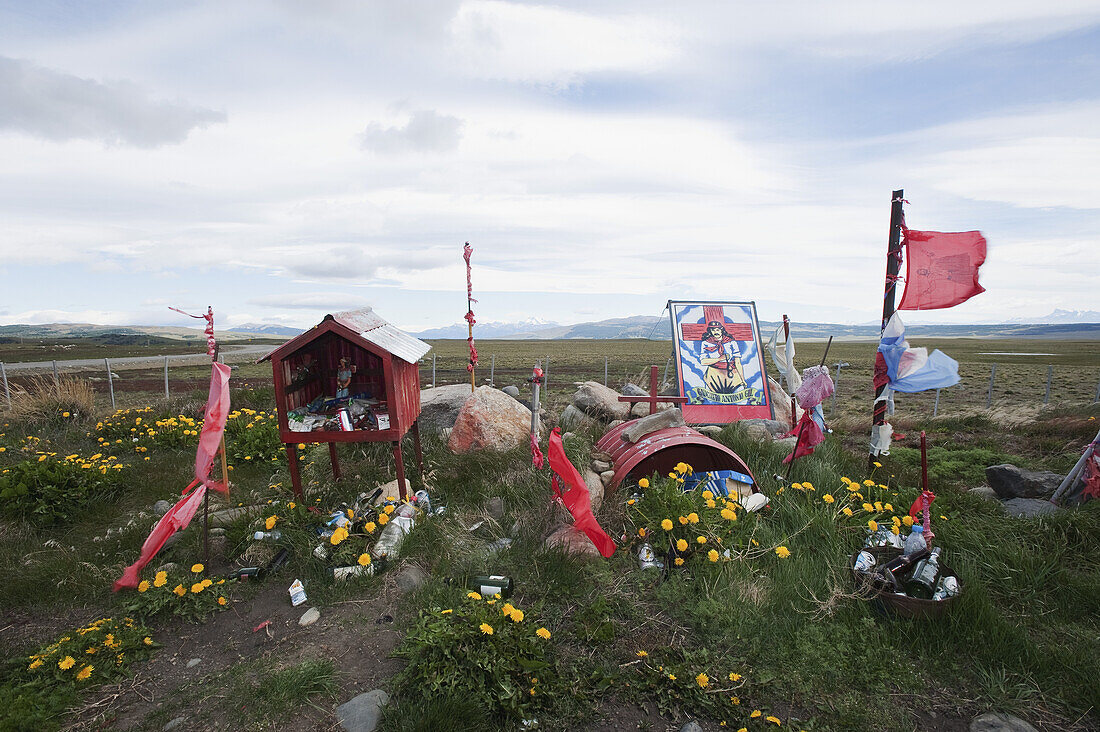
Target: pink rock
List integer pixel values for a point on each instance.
(490, 420)
(573, 542)
(781, 403)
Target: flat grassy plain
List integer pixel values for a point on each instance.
(807, 651)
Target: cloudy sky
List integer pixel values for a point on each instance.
(280, 160)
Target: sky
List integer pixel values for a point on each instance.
(282, 160)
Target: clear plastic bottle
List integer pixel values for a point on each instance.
(915, 541)
(400, 524)
(275, 535)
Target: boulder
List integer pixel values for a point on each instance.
(1010, 481)
(364, 712)
(574, 419)
(1028, 507)
(641, 409)
(512, 391)
(758, 432)
(984, 491)
(1000, 722)
(613, 424)
(439, 407)
(634, 390)
(606, 477)
(781, 403)
(228, 516)
(710, 430)
(652, 423)
(490, 420)
(773, 426)
(411, 578)
(601, 465)
(573, 542)
(595, 488)
(596, 400)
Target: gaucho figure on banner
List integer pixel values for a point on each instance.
(719, 361)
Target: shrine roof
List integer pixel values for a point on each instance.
(366, 324)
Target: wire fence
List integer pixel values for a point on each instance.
(982, 385)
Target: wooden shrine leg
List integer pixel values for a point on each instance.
(397, 458)
(292, 463)
(419, 450)
(334, 460)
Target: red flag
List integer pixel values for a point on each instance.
(941, 269)
(213, 426)
(809, 436)
(177, 518)
(576, 497)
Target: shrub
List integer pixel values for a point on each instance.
(43, 402)
(191, 596)
(483, 649)
(51, 489)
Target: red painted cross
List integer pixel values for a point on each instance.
(711, 314)
(653, 397)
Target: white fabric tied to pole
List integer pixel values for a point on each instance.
(880, 438)
(785, 365)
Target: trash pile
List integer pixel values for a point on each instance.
(340, 414)
(917, 572)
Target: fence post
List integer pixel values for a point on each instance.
(110, 381)
(989, 396)
(546, 378)
(56, 378)
(605, 370)
(433, 370)
(7, 392)
(935, 404)
(836, 385)
(1050, 377)
(1097, 397)
(166, 396)
(664, 379)
(492, 369)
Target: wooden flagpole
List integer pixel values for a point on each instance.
(893, 265)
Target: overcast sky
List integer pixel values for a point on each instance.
(280, 160)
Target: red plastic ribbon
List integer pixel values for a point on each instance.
(211, 344)
(467, 252)
(575, 497)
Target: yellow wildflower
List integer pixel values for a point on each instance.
(543, 633)
(701, 539)
(143, 585)
(197, 588)
(338, 535)
(868, 507)
(755, 713)
(84, 673)
(643, 483)
(907, 520)
(383, 519)
(641, 654)
(693, 517)
(147, 641)
(486, 628)
(666, 524)
(828, 498)
(35, 663)
(681, 545)
(679, 561)
(516, 616)
(178, 589)
(702, 679)
(734, 677)
(197, 568)
(364, 559)
(683, 520)
(370, 527)
(712, 555)
(448, 611)
(773, 720)
(473, 595)
(672, 677)
(846, 511)
(66, 663)
(782, 552)
(872, 525)
(269, 524)
(222, 601)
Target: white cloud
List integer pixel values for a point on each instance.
(57, 106)
(426, 131)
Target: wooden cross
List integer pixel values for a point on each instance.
(653, 397)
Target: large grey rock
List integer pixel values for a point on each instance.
(572, 541)
(634, 390)
(574, 419)
(773, 426)
(606, 477)
(601, 465)
(596, 400)
(1028, 507)
(229, 516)
(1010, 481)
(362, 713)
(758, 432)
(659, 421)
(490, 420)
(411, 578)
(640, 409)
(439, 407)
(512, 391)
(1000, 722)
(984, 491)
(595, 488)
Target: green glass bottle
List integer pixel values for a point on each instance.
(491, 584)
(921, 583)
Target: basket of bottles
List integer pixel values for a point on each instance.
(918, 585)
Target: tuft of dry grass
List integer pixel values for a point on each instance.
(42, 401)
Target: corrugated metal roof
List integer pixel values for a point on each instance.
(382, 334)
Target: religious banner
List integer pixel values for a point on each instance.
(719, 362)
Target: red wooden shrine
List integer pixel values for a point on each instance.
(382, 400)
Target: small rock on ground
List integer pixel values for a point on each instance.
(691, 726)
(310, 617)
(174, 723)
(710, 430)
(410, 578)
(194, 662)
(512, 391)
(1000, 722)
(1028, 507)
(984, 491)
(362, 713)
(160, 508)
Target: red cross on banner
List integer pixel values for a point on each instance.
(715, 314)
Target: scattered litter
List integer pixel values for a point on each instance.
(310, 617)
(261, 626)
(297, 593)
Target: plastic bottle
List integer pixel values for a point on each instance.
(275, 535)
(915, 541)
(922, 582)
(389, 541)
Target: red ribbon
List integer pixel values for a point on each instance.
(467, 252)
(211, 344)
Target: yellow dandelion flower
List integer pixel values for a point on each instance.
(643, 483)
(486, 628)
(383, 519)
(782, 552)
(828, 498)
(370, 527)
(872, 525)
(907, 520)
(364, 560)
(269, 524)
(143, 585)
(84, 673)
(641, 654)
(35, 664)
(869, 483)
(147, 641)
(693, 517)
(703, 680)
(683, 520)
(681, 545)
(641, 533)
(672, 677)
(701, 539)
(846, 511)
(543, 633)
(679, 561)
(197, 568)
(222, 601)
(338, 536)
(666, 524)
(473, 595)
(773, 720)
(712, 555)
(66, 663)
(516, 616)
(734, 677)
(755, 713)
(197, 588)
(448, 611)
(711, 503)
(729, 515)
(868, 507)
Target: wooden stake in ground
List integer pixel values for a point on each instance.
(467, 251)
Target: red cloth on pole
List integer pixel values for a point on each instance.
(213, 426)
(177, 518)
(575, 497)
(941, 269)
(809, 436)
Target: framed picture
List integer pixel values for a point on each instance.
(719, 361)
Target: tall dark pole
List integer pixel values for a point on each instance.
(893, 265)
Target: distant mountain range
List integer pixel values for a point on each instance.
(1061, 324)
